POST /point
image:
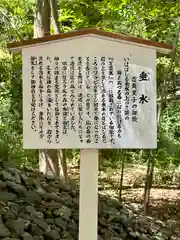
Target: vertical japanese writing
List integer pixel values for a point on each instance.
(33, 93)
(111, 69)
(144, 77)
(65, 110)
(49, 99)
(88, 92)
(80, 100)
(111, 99)
(104, 104)
(119, 104)
(41, 96)
(57, 95)
(127, 88)
(41, 85)
(95, 100)
(72, 95)
(134, 99)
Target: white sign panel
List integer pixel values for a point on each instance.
(89, 99)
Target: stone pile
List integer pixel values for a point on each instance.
(34, 206)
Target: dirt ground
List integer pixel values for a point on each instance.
(164, 202)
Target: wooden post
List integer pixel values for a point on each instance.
(88, 204)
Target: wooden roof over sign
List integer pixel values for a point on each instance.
(160, 47)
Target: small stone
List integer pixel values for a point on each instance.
(40, 191)
(52, 196)
(143, 237)
(72, 225)
(51, 189)
(102, 222)
(53, 227)
(110, 233)
(49, 220)
(54, 205)
(6, 176)
(165, 231)
(51, 235)
(67, 236)
(37, 214)
(17, 226)
(134, 234)
(24, 216)
(67, 200)
(41, 223)
(17, 188)
(63, 186)
(142, 230)
(14, 208)
(24, 179)
(65, 212)
(30, 209)
(28, 182)
(15, 173)
(127, 212)
(7, 196)
(100, 238)
(4, 232)
(35, 230)
(123, 235)
(135, 207)
(61, 223)
(9, 215)
(158, 238)
(2, 185)
(32, 197)
(123, 219)
(27, 236)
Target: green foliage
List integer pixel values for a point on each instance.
(170, 122)
(11, 113)
(16, 19)
(169, 140)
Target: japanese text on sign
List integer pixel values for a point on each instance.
(87, 102)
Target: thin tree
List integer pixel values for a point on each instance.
(49, 159)
(122, 156)
(149, 179)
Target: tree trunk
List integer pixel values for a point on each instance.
(63, 174)
(38, 19)
(50, 160)
(46, 17)
(100, 160)
(54, 15)
(149, 180)
(42, 18)
(122, 156)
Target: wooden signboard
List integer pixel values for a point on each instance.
(89, 90)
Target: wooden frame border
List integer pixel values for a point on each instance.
(160, 47)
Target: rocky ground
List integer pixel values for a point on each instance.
(36, 207)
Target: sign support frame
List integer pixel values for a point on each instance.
(88, 203)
